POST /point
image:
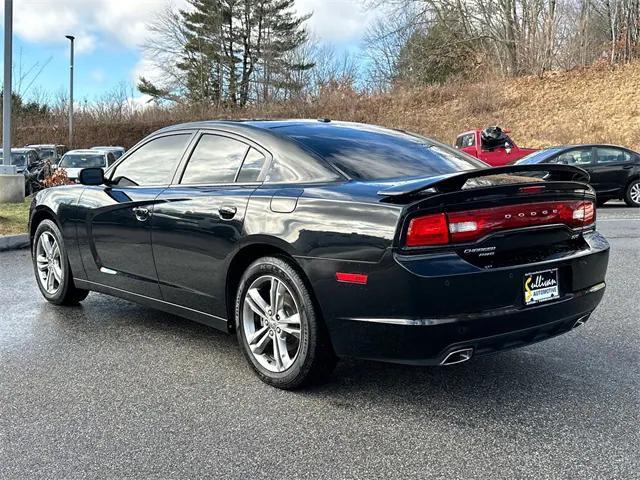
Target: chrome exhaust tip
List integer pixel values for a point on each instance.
(458, 356)
(581, 321)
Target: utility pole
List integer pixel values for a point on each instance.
(71, 38)
(11, 183)
(6, 168)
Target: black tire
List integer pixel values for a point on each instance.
(315, 358)
(600, 203)
(631, 193)
(66, 293)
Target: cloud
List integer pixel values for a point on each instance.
(337, 21)
(93, 22)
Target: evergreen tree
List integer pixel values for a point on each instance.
(235, 51)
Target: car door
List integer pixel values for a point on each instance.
(609, 174)
(198, 220)
(116, 242)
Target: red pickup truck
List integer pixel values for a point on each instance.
(491, 145)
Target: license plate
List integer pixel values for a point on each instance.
(541, 286)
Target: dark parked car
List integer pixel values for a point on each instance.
(48, 151)
(316, 239)
(614, 171)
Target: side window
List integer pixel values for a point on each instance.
(469, 140)
(465, 141)
(251, 167)
(153, 163)
(575, 157)
(612, 155)
(215, 159)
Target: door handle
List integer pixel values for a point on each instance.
(628, 167)
(141, 213)
(227, 211)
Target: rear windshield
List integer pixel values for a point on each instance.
(538, 157)
(19, 159)
(77, 160)
(371, 153)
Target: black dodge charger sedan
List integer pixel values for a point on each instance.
(614, 171)
(314, 240)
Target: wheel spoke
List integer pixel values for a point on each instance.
(285, 359)
(257, 303)
(57, 273)
(295, 332)
(46, 243)
(50, 280)
(276, 353)
(258, 347)
(56, 251)
(274, 294)
(42, 262)
(291, 320)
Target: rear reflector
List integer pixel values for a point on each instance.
(470, 225)
(359, 278)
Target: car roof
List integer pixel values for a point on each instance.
(107, 147)
(84, 150)
(265, 124)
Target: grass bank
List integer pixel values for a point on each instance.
(14, 217)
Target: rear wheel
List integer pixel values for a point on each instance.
(632, 194)
(51, 266)
(278, 329)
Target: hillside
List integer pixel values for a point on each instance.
(599, 104)
(594, 105)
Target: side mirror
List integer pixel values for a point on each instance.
(91, 176)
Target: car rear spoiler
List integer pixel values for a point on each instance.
(455, 181)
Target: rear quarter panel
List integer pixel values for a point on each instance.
(61, 203)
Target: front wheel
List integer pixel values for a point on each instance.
(278, 329)
(51, 266)
(632, 194)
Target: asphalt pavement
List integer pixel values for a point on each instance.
(115, 390)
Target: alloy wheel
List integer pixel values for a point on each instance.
(48, 260)
(271, 322)
(634, 193)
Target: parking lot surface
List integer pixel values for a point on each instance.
(112, 389)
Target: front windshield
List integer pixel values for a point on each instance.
(82, 160)
(538, 157)
(46, 153)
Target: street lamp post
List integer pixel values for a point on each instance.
(71, 39)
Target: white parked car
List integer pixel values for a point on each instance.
(75, 160)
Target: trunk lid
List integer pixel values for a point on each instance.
(497, 216)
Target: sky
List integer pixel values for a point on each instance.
(109, 34)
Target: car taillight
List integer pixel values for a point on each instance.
(428, 230)
(470, 225)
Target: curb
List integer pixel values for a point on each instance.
(14, 242)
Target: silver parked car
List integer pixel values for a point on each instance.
(117, 151)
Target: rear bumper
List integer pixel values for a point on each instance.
(416, 310)
(430, 341)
